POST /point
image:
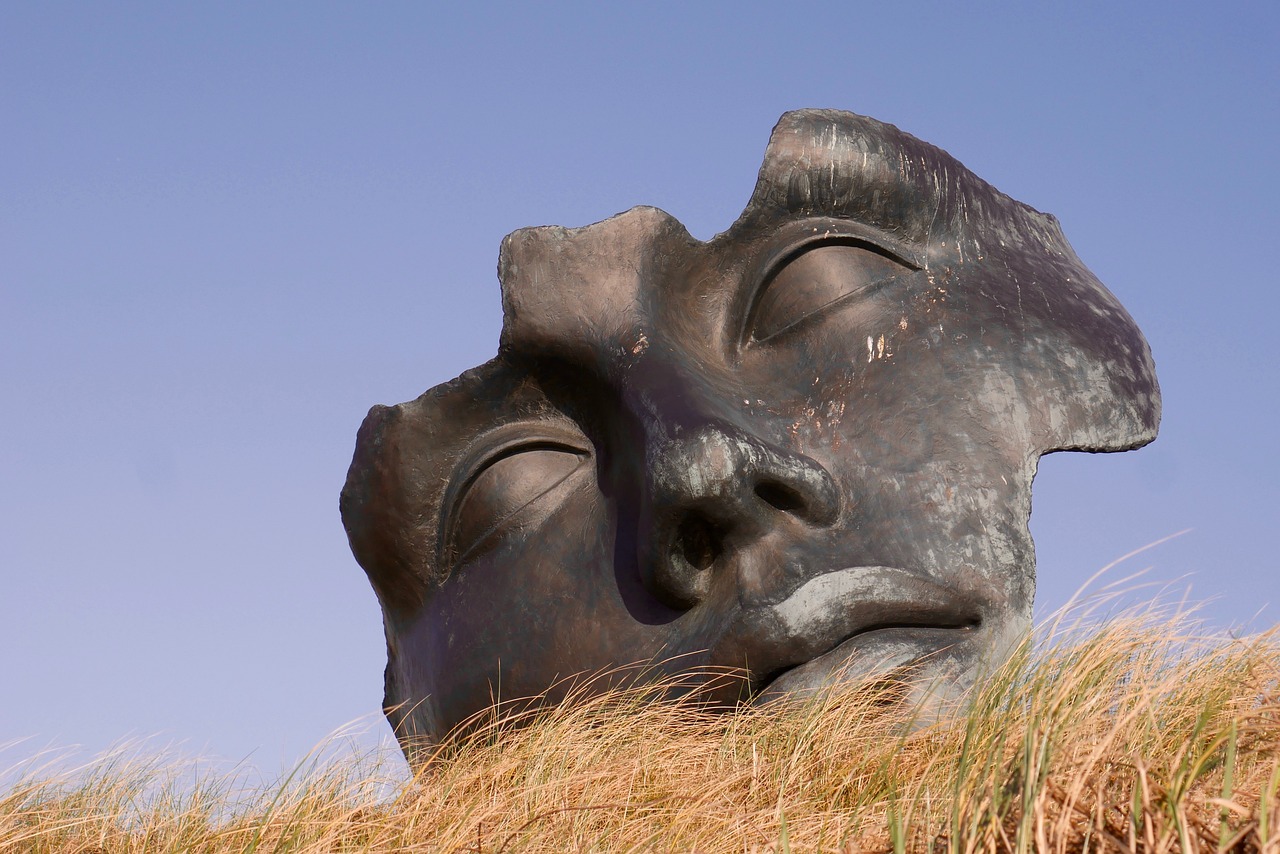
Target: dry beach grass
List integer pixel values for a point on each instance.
(1139, 735)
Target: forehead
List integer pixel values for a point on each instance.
(574, 291)
(831, 163)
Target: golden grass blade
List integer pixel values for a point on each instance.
(1141, 734)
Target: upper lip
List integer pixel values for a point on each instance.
(831, 608)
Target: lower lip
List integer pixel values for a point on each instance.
(868, 655)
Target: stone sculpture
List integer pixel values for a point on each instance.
(803, 448)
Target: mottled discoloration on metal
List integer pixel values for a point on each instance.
(803, 448)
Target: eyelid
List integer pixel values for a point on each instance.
(510, 450)
(510, 438)
(493, 447)
(806, 235)
(479, 542)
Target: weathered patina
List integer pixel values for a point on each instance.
(802, 449)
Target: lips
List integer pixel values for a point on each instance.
(845, 625)
(866, 654)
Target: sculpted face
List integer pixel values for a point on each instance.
(803, 448)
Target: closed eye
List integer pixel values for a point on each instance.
(504, 490)
(816, 278)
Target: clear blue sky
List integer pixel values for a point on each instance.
(226, 230)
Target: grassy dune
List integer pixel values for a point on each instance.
(1136, 736)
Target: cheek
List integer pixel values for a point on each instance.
(862, 382)
(541, 605)
(887, 413)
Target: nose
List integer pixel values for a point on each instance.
(715, 491)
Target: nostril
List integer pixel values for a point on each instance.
(699, 541)
(781, 497)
